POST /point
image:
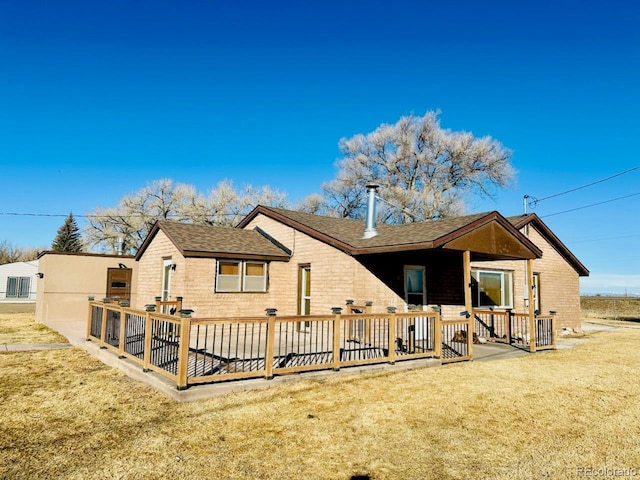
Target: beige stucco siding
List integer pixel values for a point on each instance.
(559, 282)
(69, 279)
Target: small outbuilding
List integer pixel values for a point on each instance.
(18, 281)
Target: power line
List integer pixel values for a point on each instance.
(589, 206)
(602, 239)
(138, 215)
(535, 201)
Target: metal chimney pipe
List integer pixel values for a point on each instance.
(370, 222)
(119, 245)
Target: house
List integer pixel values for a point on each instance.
(67, 279)
(267, 297)
(18, 281)
(303, 264)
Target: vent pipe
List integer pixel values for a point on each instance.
(119, 245)
(370, 222)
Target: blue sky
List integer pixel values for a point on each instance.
(99, 98)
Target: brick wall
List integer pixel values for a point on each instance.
(559, 287)
(335, 276)
(150, 268)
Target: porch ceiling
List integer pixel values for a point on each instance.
(491, 241)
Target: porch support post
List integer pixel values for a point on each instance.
(468, 304)
(532, 307)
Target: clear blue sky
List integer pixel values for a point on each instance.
(98, 98)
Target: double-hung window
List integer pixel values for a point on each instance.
(492, 288)
(241, 276)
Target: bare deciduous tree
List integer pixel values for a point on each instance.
(9, 253)
(424, 171)
(132, 219)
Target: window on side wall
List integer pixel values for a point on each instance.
(492, 289)
(18, 287)
(241, 276)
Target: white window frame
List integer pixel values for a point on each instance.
(506, 285)
(241, 282)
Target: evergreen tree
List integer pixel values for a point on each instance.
(68, 238)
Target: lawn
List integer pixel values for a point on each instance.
(18, 325)
(66, 415)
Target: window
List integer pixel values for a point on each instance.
(304, 295)
(18, 287)
(492, 289)
(241, 276)
(414, 285)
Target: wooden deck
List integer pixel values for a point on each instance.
(192, 351)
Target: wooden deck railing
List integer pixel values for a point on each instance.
(192, 351)
(516, 329)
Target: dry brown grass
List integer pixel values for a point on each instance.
(18, 326)
(611, 308)
(66, 415)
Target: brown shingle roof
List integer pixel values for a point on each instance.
(207, 241)
(347, 234)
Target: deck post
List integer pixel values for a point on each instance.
(553, 329)
(103, 326)
(392, 334)
(336, 311)
(532, 307)
(89, 318)
(123, 339)
(437, 332)
(368, 306)
(148, 334)
(271, 338)
(183, 352)
(468, 301)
